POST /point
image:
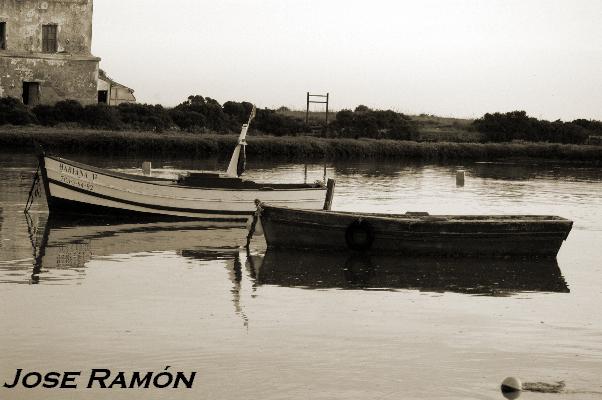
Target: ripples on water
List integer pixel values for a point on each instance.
(295, 325)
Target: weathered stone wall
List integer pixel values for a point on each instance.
(59, 79)
(24, 20)
(71, 72)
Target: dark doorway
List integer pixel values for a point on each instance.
(31, 93)
(2, 35)
(103, 96)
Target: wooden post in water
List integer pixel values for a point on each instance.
(329, 194)
(146, 168)
(460, 178)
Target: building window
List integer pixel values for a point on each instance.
(2, 35)
(49, 42)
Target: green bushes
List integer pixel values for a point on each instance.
(269, 121)
(45, 115)
(204, 114)
(200, 114)
(12, 111)
(197, 113)
(98, 116)
(214, 117)
(63, 111)
(101, 116)
(145, 116)
(190, 121)
(239, 112)
(68, 111)
(516, 125)
(374, 124)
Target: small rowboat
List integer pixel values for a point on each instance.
(75, 188)
(416, 234)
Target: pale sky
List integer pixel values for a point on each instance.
(456, 58)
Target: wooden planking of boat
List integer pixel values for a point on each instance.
(416, 234)
(75, 188)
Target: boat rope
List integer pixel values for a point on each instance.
(34, 191)
(32, 231)
(256, 216)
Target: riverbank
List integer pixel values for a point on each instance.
(287, 147)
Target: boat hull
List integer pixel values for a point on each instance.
(75, 188)
(497, 236)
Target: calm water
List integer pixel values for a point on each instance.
(139, 297)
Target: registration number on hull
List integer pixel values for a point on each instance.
(77, 177)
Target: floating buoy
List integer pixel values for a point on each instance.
(511, 387)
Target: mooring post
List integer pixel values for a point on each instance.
(460, 178)
(329, 194)
(146, 168)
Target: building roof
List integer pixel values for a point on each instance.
(103, 75)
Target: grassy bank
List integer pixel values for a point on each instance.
(290, 148)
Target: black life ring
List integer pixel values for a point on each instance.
(359, 235)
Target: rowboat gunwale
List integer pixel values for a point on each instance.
(439, 218)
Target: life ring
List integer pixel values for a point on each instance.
(359, 235)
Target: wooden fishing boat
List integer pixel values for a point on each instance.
(414, 233)
(75, 188)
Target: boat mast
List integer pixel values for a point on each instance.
(232, 170)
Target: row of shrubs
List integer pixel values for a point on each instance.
(374, 124)
(204, 114)
(517, 125)
(198, 114)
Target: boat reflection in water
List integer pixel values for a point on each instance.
(476, 276)
(63, 248)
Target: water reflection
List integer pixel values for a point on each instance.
(525, 171)
(475, 276)
(234, 270)
(62, 248)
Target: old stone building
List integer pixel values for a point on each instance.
(113, 93)
(45, 51)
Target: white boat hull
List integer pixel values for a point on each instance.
(72, 187)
